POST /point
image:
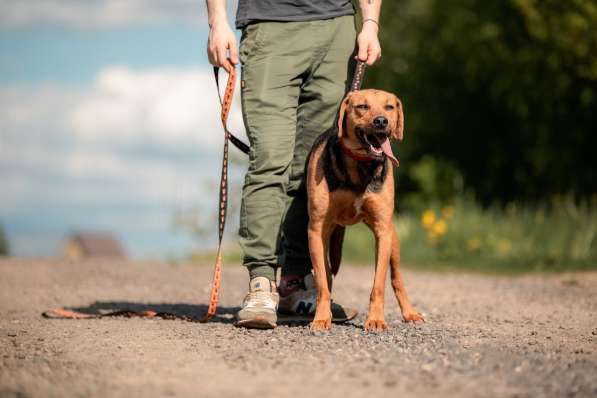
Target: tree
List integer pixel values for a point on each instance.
(4, 249)
(505, 91)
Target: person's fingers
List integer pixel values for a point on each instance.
(233, 52)
(211, 57)
(227, 65)
(211, 51)
(214, 55)
(373, 55)
(362, 54)
(221, 58)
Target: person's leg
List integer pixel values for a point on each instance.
(273, 61)
(275, 58)
(319, 101)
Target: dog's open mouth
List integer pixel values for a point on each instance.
(376, 143)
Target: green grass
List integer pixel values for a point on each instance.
(231, 255)
(511, 240)
(465, 237)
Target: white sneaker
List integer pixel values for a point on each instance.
(260, 305)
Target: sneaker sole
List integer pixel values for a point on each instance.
(256, 323)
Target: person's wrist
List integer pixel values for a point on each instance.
(218, 20)
(370, 25)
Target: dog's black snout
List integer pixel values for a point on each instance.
(380, 122)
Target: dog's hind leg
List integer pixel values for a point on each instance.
(336, 241)
(319, 235)
(408, 312)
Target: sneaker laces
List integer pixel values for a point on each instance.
(261, 298)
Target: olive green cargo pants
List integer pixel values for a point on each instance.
(294, 76)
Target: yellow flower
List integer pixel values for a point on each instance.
(440, 227)
(428, 218)
(474, 244)
(448, 212)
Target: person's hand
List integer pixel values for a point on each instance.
(221, 46)
(368, 43)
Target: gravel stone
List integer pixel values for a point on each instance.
(485, 336)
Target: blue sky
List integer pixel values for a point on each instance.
(75, 56)
(108, 121)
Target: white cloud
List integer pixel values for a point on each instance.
(101, 14)
(148, 139)
(172, 107)
(168, 106)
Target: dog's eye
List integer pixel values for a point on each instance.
(363, 107)
(389, 107)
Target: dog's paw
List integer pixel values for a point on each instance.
(376, 325)
(321, 324)
(413, 317)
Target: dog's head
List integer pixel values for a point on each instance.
(368, 119)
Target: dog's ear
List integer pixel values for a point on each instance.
(342, 114)
(398, 130)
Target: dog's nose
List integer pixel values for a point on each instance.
(380, 122)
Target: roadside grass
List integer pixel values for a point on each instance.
(463, 236)
(231, 255)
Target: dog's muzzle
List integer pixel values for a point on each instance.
(375, 140)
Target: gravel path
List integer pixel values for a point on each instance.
(532, 336)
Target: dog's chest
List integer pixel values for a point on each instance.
(349, 211)
(358, 206)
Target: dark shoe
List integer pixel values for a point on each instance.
(299, 305)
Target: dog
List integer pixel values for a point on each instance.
(349, 179)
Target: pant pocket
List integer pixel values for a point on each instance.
(252, 39)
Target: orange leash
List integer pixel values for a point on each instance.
(226, 103)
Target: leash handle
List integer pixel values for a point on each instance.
(359, 73)
(225, 104)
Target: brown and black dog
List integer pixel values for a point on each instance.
(349, 179)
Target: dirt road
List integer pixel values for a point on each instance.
(532, 336)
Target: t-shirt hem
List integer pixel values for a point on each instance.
(241, 23)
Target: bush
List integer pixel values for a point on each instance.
(558, 236)
(4, 248)
(504, 91)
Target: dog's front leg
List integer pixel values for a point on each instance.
(375, 318)
(408, 312)
(323, 313)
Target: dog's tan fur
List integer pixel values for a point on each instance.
(331, 210)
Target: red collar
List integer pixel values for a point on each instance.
(354, 155)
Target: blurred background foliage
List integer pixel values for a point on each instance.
(555, 236)
(498, 170)
(500, 97)
(4, 249)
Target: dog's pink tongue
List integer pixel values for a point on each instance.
(387, 149)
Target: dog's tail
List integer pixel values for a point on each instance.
(336, 240)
